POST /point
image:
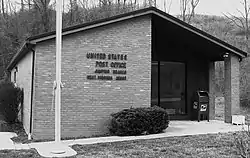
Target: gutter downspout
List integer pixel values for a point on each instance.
(32, 88)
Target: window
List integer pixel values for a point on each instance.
(168, 86)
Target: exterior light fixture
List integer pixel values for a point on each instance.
(225, 55)
(16, 69)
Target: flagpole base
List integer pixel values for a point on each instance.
(29, 136)
(58, 149)
(55, 149)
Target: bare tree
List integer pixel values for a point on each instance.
(11, 7)
(22, 5)
(3, 8)
(167, 5)
(84, 4)
(242, 22)
(187, 8)
(42, 6)
(75, 12)
(194, 4)
(29, 4)
(183, 8)
(25, 3)
(71, 4)
(135, 3)
(63, 6)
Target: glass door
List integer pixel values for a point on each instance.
(168, 86)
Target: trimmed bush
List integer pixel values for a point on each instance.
(10, 98)
(136, 121)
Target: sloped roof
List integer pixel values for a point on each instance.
(31, 41)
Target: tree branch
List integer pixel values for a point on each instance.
(241, 13)
(234, 20)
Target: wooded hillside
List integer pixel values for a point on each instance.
(224, 29)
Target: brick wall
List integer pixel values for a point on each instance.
(23, 80)
(212, 90)
(87, 104)
(232, 84)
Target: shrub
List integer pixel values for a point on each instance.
(158, 120)
(10, 98)
(136, 121)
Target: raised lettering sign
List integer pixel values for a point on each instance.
(106, 69)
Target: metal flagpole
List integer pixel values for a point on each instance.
(58, 70)
(58, 147)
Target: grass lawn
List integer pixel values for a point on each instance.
(210, 145)
(19, 154)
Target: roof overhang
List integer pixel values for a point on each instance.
(26, 47)
(216, 41)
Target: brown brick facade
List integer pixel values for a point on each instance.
(87, 104)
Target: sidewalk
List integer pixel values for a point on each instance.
(7, 143)
(176, 128)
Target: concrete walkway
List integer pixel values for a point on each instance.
(176, 128)
(6, 143)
